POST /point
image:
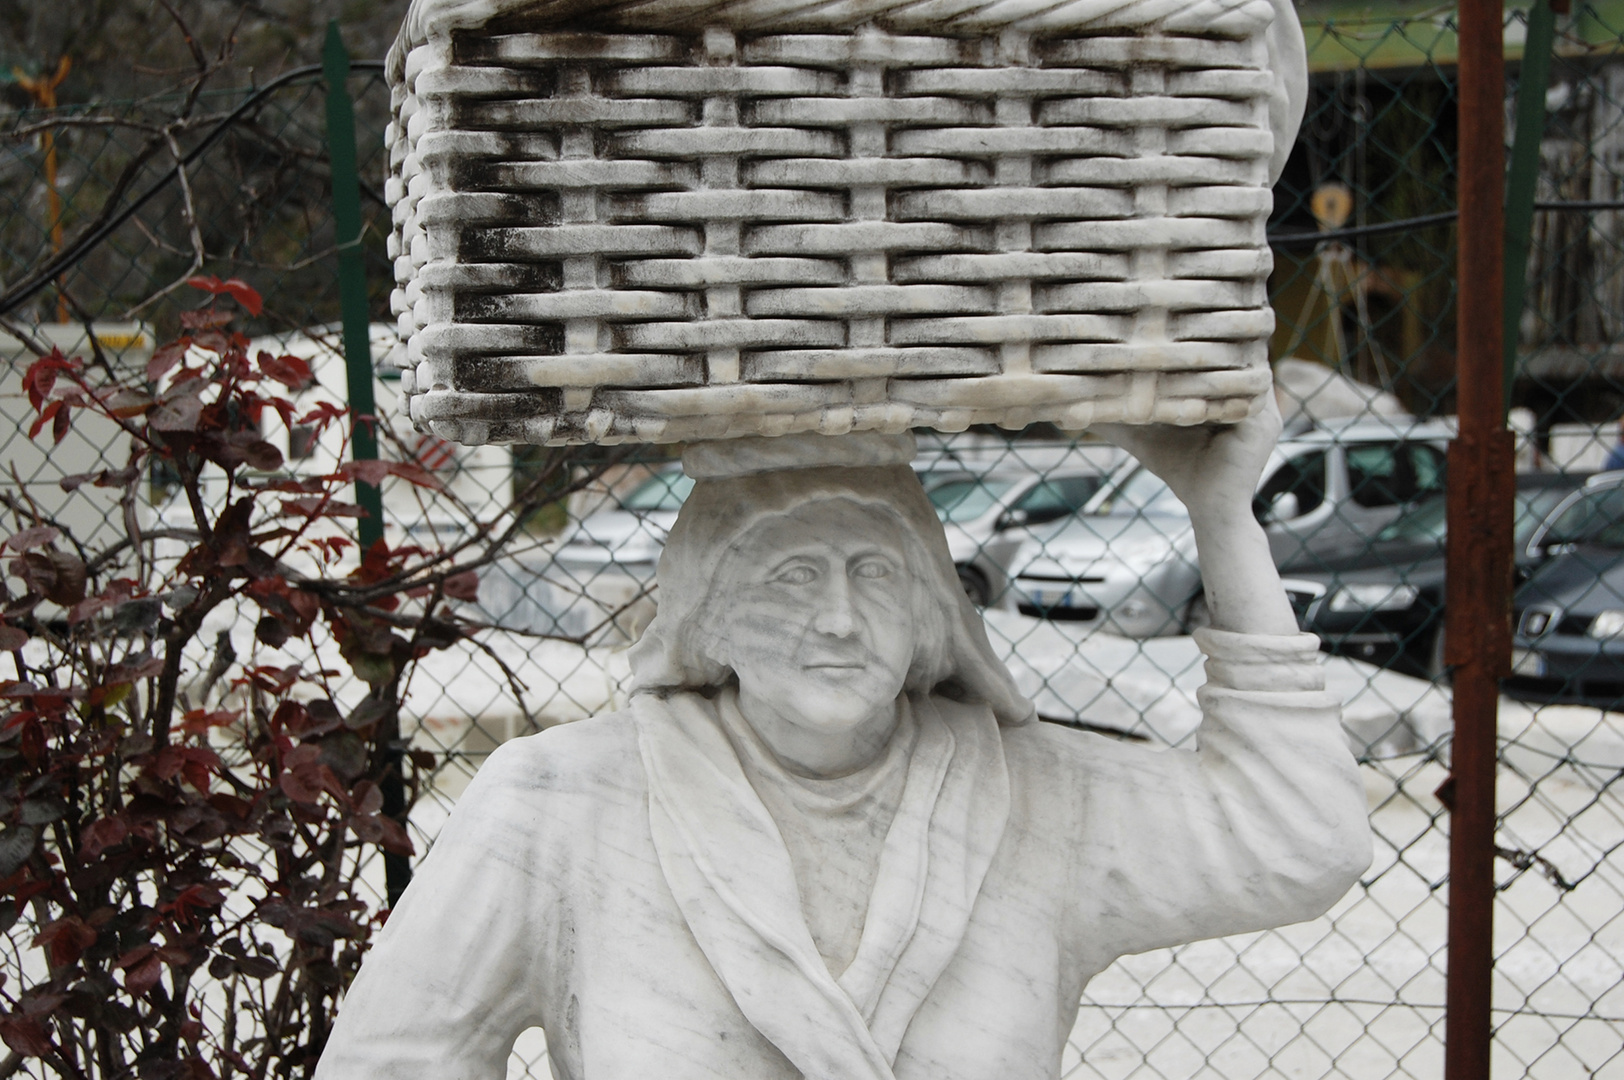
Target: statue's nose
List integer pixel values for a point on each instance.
(835, 616)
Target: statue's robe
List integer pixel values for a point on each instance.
(620, 883)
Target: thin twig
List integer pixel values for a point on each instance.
(189, 216)
(21, 333)
(83, 121)
(508, 673)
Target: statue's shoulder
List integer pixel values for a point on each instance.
(596, 754)
(1042, 749)
(536, 803)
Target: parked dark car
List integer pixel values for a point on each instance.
(1569, 611)
(1385, 603)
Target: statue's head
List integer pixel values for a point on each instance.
(819, 609)
(825, 591)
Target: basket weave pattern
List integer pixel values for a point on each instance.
(664, 237)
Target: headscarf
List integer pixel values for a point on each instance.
(742, 483)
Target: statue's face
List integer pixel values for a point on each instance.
(816, 614)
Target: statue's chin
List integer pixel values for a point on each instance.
(826, 705)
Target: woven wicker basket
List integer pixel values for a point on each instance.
(686, 226)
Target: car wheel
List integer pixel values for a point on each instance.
(1197, 616)
(974, 584)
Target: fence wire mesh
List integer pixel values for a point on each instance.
(1083, 563)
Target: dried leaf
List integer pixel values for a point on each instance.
(368, 797)
(143, 976)
(316, 506)
(83, 610)
(32, 538)
(46, 415)
(463, 586)
(369, 712)
(68, 586)
(236, 288)
(345, 754)
(42, 810)
(16, 845)
(291, 371)
(164, 358)
(300, 785)
(98, 836)
(65, 940)
(365, 472)
(202, 319)
(272, 631)
(138, 616)
(25, 1036)
(372, 668)
(257, 967)
(395, 839)
(262, 455)
(127, 403)
(324, 716)
(178, 413)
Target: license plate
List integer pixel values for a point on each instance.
(1525, 662)
(1051, 598)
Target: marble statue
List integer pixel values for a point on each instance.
(827, 838)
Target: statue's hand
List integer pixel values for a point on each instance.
(1210, 468)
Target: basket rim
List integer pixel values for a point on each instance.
(432, 20)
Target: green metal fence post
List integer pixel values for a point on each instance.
(352, 295)
(352, 280)
(1532, 80)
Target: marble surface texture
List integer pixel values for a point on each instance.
(704, 221)
(827, 839)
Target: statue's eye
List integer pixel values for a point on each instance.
(798, 575)
(871, 568)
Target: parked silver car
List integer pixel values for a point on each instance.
(981, 515)
(597, 580)
(1128, 562)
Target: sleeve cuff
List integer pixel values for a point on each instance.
(1261, 662)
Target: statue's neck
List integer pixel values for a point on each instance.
(820, 751)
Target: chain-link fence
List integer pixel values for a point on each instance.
(1083, 564)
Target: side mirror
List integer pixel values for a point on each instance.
(1012, 519)
(1284, 507)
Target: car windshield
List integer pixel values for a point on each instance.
(1425, 522)
(1143, 492)
(1534, 507)
(663, 491)
(1428, 521)
(1596, 519)
(966, 500)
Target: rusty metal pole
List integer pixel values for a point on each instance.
(1481, 482)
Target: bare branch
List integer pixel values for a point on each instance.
(94, 121)
(189, 216)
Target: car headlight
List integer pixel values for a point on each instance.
(1374, 597)
(1608, 624)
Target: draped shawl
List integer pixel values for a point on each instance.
(720, 850)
